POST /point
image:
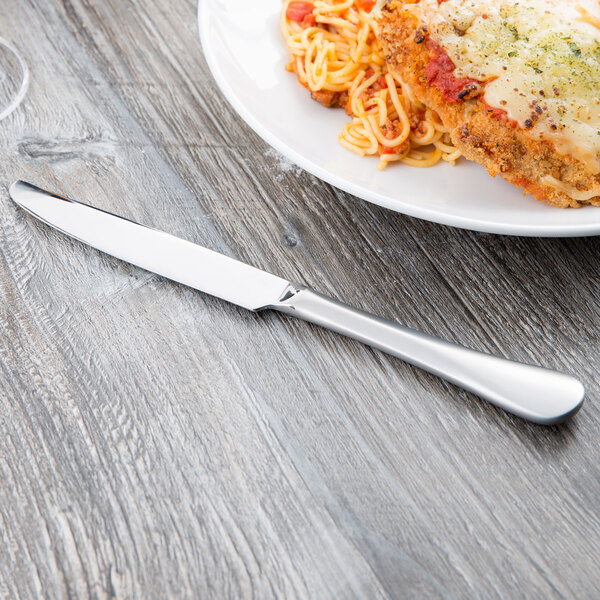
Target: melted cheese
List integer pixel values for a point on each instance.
(540, 59)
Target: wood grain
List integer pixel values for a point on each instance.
(155, 442)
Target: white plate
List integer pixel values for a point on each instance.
(246, 53)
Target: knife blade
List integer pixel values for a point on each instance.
(153, 250)
(540, 395)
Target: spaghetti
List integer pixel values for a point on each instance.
(337, 56)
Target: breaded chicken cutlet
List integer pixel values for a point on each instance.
(517, 84)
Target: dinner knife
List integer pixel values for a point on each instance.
(533, 393)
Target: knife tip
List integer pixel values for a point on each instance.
(17, 188)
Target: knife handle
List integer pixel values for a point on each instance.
(533, 393)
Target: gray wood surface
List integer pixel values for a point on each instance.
(156, 442)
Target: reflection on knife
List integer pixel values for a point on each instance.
(533, 393)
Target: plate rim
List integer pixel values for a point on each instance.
(411, 210)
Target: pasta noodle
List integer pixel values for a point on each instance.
(335, 53)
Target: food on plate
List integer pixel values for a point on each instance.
(516, 84)
(336, 54)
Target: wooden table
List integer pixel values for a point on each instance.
(156, 442)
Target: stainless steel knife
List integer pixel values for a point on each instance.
(534, 393)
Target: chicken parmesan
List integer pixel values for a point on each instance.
(516, 84)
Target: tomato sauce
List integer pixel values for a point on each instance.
(301, 12)
(440, 73)
(367, 5)
(497, 113)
